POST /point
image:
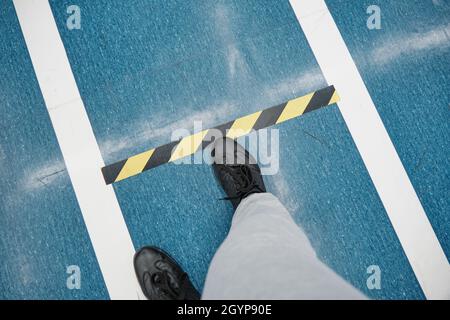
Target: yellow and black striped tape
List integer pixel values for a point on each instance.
(233, 129)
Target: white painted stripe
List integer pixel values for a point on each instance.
(101, 212)
(399, 198)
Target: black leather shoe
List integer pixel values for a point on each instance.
(161, 278)
(237, 171)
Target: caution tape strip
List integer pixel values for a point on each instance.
(189, 145)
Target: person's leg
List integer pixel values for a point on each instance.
(265, 255)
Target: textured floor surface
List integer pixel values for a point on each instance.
(144, 68)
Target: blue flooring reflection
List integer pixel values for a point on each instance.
(405, 66)
(41, 226)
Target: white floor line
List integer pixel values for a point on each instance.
(101, 212)
(399, 198)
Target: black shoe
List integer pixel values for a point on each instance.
(161, 278)
(237, 171)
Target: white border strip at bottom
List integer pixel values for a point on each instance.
(98, 203)
(391, 181)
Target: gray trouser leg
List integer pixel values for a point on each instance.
(267, 256)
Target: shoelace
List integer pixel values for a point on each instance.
(245, 180)
(161, 281)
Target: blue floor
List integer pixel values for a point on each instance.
(406, 68)
(41, 226)
(145, 68)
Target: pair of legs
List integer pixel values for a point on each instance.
(265, 255)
